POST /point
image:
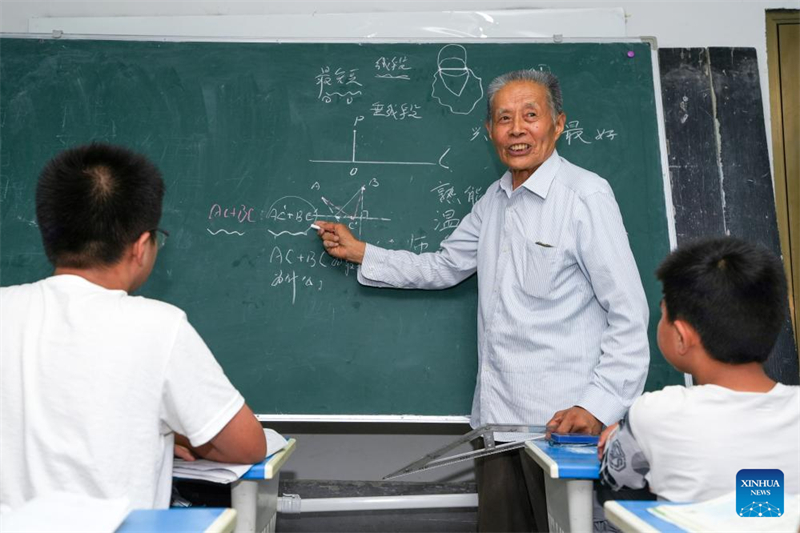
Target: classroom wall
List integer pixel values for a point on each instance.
(363, 451)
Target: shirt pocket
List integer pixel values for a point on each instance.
(539, 269)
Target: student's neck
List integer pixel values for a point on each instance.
(749, 377)
(111, 278)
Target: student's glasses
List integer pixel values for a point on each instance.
(160, 236)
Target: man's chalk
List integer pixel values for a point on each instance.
(315, 227)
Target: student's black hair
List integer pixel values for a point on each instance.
(93, 201)
(731, 291)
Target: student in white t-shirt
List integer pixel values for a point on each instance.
(723, 307)
(97, 385)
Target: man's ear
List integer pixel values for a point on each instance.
(140, 247)
(561, 121)
(687, 336)
(488, 126)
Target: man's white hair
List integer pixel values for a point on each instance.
(547, 80)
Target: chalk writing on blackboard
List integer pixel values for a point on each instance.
(340, 83)
(292, 214)
(573, 131)
(392, 68)
(396, 111)
(447, 193)
(353, 211)
(296, 269)
(242, 212)
(238, 214)
(455, 85)
(446, 220)
(476, 131)
(418, 243)
(292, 279)
(605, 134)
(355, 161)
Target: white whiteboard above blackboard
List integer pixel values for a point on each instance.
(516, 23)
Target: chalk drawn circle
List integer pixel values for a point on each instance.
(290, 216)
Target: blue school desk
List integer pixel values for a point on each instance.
(255, 495)
(633, 517)
(569, 474)
(180, 520)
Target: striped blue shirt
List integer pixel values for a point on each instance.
(562, 316)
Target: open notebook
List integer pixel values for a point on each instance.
(720, 515)
(206, 470)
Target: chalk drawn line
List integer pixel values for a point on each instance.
(354, 161)
(450, 82)
(391, 77)
(239, 233)
(337, 213)
(293, 233)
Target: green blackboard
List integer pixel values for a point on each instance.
(256, 140)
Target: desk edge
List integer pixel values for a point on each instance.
(629, 522)
(224, 523)
(545, 461)
(274, 465)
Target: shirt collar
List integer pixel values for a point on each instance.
(538, 182)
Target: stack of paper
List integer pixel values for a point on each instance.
(64, 512)
(719, 515)
(206, 470)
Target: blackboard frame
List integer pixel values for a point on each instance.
(557, 39)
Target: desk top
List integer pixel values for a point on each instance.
(565, 462)
(272, 464)
(180, 520)
(632, 516)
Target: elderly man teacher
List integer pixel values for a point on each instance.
(562, 315)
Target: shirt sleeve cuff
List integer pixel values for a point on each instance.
(218, 423)
(604, 406)
(369, 269)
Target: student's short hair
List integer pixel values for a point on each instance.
(93, 201)
(732, 292)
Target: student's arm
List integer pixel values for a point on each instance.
(240, 441)
(200, 403)
(623, 463)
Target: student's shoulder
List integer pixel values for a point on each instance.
(781, 389)
(13, 292)
(789, 394)
(659, 407)
(672, 397)
(149, 309)
(22, 288)
(17, 296)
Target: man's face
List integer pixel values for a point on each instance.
(522, 127)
